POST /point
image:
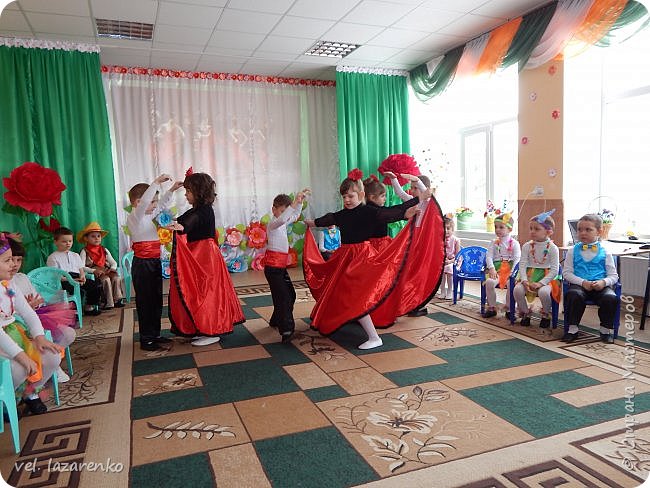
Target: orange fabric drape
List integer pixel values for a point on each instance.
(497, 46)
(599, 20)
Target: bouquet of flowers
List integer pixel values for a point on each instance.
(491, 212)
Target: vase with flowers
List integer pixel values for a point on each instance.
(608, 220)
(491, 213)
(32, 193)
(463, 218)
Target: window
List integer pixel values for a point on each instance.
(606, 144)
(466, 140)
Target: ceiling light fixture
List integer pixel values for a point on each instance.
(122, 29)
(331, 49)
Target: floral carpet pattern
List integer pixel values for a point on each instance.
(449, 400)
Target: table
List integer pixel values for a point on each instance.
(631, 248)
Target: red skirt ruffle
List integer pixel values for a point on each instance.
(202, 299)
(354, 281)
(423, 269)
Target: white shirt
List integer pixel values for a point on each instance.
(276, 231)
(399, 191)
(140, 224)
(538, 260)
(21, 282)
(67, 261)
(22, 308)
(610, 267)
(501, 253)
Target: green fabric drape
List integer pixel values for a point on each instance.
(632, 12)
(427, 86)
(530, 31)
(54, 113)
(372, 114)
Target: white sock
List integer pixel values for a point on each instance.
(32, 396)
(573, 329)
(373, 338)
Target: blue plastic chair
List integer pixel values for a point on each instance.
(469, 265)
(8, 399)
(55, 376)
(127, 262)
(617, 316)
(47, 281)
(555, 307)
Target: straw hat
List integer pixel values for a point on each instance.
(92, 227)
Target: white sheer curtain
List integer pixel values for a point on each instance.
(256, 139)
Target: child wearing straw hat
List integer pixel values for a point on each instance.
(99, 261)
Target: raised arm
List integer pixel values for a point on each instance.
(399, 191)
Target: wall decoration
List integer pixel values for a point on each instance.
(532, 96)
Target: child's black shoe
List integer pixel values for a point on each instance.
(287, 336)
(119, 303)
(489, 313)
(149, 346)
(418, 313)
(569, 337)
(544, 323)
(525, 321)
(35, 406)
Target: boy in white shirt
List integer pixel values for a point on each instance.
(67, 260)
(275, 263)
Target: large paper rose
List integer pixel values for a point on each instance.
(233, 237)
(399, 163)
(256, 234)
(34, 188)
(237, 265)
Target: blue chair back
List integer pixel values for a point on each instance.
(469, 265)
(127, 262)
(47, 281)
(8, 401)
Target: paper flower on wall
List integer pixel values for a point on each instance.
(164, 235)
(256, 234)
(34, 188)
(524, 140)
(532, 96)
(233, 237)
(292, 259)
(398, 164)
(164, 218)
(552, 69)
(237, 265)
(555, 114)
(258, 262)
(51, 227)
(166, 269)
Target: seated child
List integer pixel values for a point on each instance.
(329, 240)
(57, 317)
(67, 260)
(591, 272)
(32, 357)
(503, 254)
(99, 261)
(538, 270)
(452, 248)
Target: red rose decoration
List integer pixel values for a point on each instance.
(256, 234)
(292, 258)
(555, 114)
(399, 163)
(355, 174)
(34, 188)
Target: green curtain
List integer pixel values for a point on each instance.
(54, 113)
(530, 31)
(372, 114)
(427, 86)
(632, 12)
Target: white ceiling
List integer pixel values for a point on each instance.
(266, 37)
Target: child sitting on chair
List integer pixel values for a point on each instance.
(503, 254)
(32, 357)
(59, 317)
(590, 270)
(538, 270)
(329, 240)
(69, 261)
(99, 261)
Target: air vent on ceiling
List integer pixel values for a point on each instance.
(122, 29)
(331, 49)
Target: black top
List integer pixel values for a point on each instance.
(198, 223)
(359, 224)
(381, 228)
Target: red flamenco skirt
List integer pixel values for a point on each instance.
(380, 243)
(423, 269)
(354, 281)
(202, 299)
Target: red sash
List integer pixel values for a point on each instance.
(146, 249)
(276, 259)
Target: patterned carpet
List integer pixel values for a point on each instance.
(450, 400)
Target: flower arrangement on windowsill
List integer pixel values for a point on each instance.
(608, 221)
(463, 217)
(491, 213)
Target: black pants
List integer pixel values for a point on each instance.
(575, 303)
(91, 290)
(284, 296)
(147, 283)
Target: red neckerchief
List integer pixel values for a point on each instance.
(97, 254)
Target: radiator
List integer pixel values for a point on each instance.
(634, 273)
